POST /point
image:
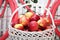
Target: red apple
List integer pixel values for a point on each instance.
(39, 30)
(33, 26)
(29, 15)
(42, 23)
(19, 26)
(35, 17)
(26, 30)
(23, 20)
(48, 27)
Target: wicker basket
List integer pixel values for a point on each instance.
(16, 34)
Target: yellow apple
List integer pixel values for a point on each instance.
(19, 26)
(29, 14)
(23, 20)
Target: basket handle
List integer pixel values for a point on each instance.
(36, 5)
(53, 11)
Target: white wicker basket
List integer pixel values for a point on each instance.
(16, 34)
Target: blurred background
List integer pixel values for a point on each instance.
(6, 11)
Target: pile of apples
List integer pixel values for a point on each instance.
(32, 22)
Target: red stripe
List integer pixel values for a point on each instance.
(1, 1)
(53, 11)
(49, 1)
(5, 36)
(57, 22)
(2, 13)
(13, 6)
(57, 32)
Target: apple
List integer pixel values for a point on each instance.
(39, 30)
(35, 17)
(13, 23)
(48, 20)
(23, 20)
(33, 26)
(43, 28)
(48, 27)
(42, 23)
(26, 30)
(29, 14)
(19, 26)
